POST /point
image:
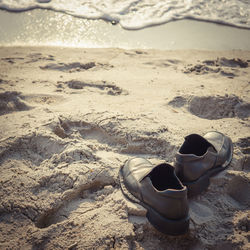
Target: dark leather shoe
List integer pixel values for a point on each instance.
(201, 157)
(158, 189)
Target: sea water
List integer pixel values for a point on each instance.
(138, 14)
(88, 23)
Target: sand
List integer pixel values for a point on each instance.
(69, 118)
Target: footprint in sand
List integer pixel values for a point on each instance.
(11, 101)
(114, 138)
(239, 187)
(2, 81)
(43, 99)
(67, 128)
(217, 107)
(219, 65)
(200, 69)
(12, 60)
(76, 66)
(33, 148)
(79, 201)
(232, 63)
(70, 67)
(35, 57)
(104, 87)
(213, 107)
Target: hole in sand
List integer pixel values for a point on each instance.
(239, 189)
(217, 107)
(213, 107)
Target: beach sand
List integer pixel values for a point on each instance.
(69, 118)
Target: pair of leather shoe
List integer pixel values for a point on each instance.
(163, 189)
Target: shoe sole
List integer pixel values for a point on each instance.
(161, 223)
(198, 186)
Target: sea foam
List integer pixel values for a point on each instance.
(138, 14)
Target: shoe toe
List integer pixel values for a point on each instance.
(223, 146)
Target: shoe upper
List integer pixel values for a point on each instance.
(199, 154)
(157, 187)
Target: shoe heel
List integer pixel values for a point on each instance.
(167, 226)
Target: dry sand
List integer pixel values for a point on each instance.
(69, 118)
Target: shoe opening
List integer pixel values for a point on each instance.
(195, 144)
(163, 177)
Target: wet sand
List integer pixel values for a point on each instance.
(46, 28)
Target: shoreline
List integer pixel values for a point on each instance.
(48, 28)
(61, 47)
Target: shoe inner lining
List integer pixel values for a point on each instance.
(195, 144)
(163, 177)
